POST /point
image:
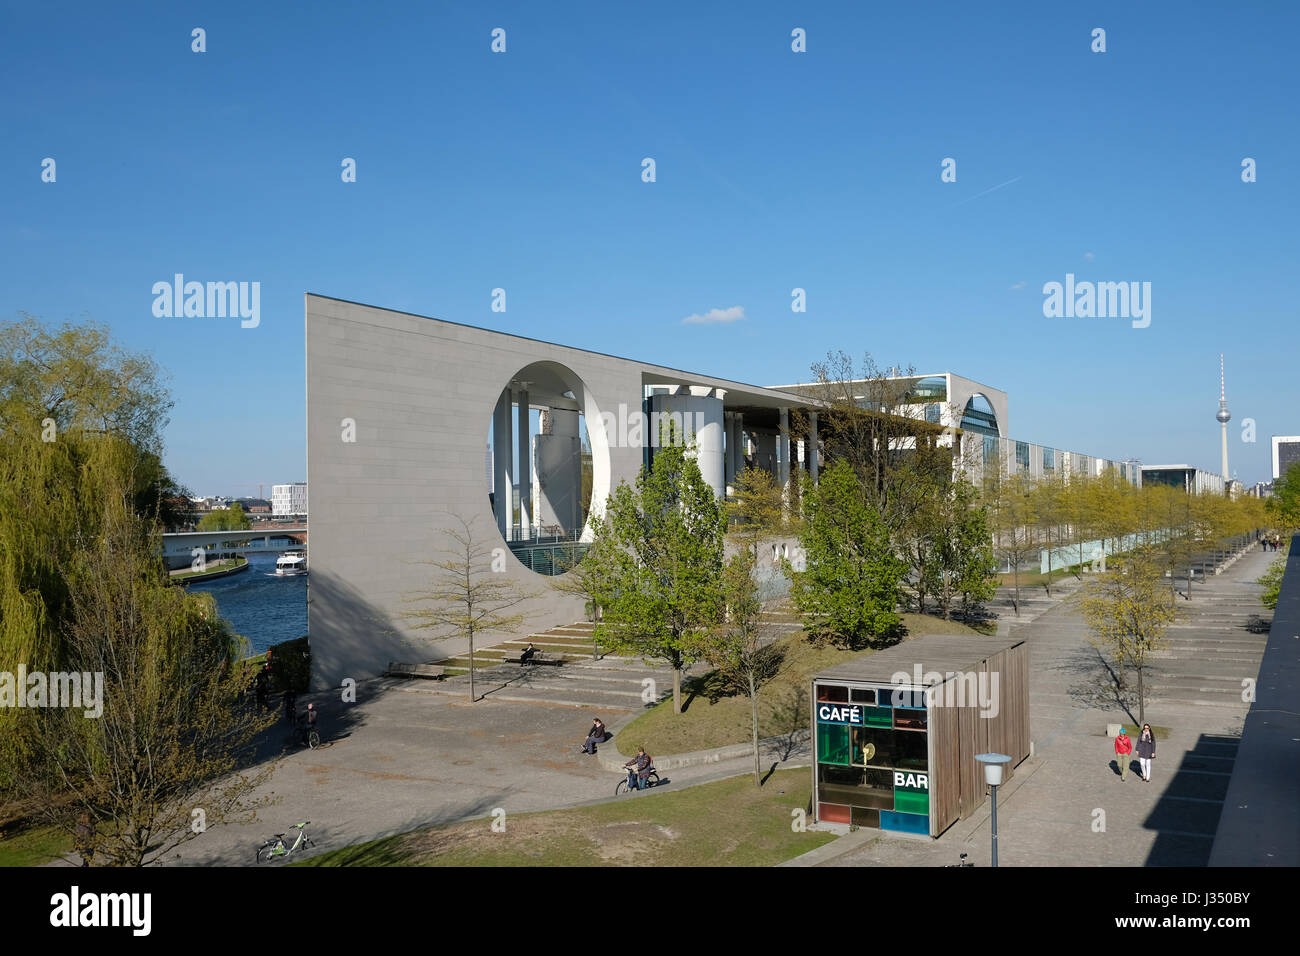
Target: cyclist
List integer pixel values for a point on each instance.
(309, 721)
(638, 770)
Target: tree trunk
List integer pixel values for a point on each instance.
(1142, 701)
(753, 713)
(677, 689)
(472, 697)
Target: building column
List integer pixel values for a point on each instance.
(783, 451)
(812, 447)
(525, 464)
(501, 488)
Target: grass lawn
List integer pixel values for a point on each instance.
(728, 823)
(782, 703)
(221, 564)
(33, 846)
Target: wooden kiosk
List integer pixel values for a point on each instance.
(895, 733)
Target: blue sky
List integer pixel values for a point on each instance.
(775, 170)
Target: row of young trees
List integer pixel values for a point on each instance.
(162, 728)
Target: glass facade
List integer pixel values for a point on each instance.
(1049, 459)
(978, 417)
(872, 757)
(1022, 457)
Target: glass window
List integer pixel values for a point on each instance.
(979, 418)
(1022, 456)
(906, 719)
(911, 801)
(862, 695)
(833, 693)
(833, 743)
(904, 822)
(880, 747)
(932, 414)
(1049, 459)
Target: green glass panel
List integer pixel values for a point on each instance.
(908, 801)
(878, 716)
(833, 743)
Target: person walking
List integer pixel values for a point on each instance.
(1123, 753)
(1146, 748)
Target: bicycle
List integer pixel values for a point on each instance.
(624, 785)
(274, 848)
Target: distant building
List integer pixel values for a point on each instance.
(1261, 489)
(1192, 480)
(1286, 452)
(254, 506)
(290, 499)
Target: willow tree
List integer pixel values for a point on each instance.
(80, 428)
(160, 745)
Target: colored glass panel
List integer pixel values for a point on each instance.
(911, 801)
(904, 822)
(863, 817)
(907, 719)
(877, 717)
(833, 743)
(862, 695)
(833, 693)
(832, 813)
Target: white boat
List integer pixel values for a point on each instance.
(291, 562)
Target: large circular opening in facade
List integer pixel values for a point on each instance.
(541, 472)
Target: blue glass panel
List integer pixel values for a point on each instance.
(904, 822)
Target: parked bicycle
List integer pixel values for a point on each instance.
(274, 848)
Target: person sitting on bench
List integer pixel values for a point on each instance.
(594, 736)
(528, 653)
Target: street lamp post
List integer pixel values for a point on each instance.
(993, 764)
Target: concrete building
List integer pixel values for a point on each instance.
(290, 499)
(405, 414)
(399, 408)
(977, 419)
(1286, 452)
(1192, 480)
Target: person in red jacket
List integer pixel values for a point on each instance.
(1123, 753)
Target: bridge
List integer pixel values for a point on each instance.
(179, 548)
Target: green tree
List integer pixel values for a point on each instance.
(1283, 509)
(850, 588)
(469, 598)
(665, 589)
(175, 729)
(970, 567)
(226, 519)
(1129, 616)
(80, 426)
(1270, 581)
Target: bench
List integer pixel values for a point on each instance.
(396, 669)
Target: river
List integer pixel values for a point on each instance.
(259, 604)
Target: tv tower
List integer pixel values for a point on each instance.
(1224, 416)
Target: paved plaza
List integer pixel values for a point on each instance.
(408, 754)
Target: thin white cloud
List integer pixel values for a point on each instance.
(733, 314)
(1019, 285)
(1089, 256)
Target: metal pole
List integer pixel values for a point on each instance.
(995, 825)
